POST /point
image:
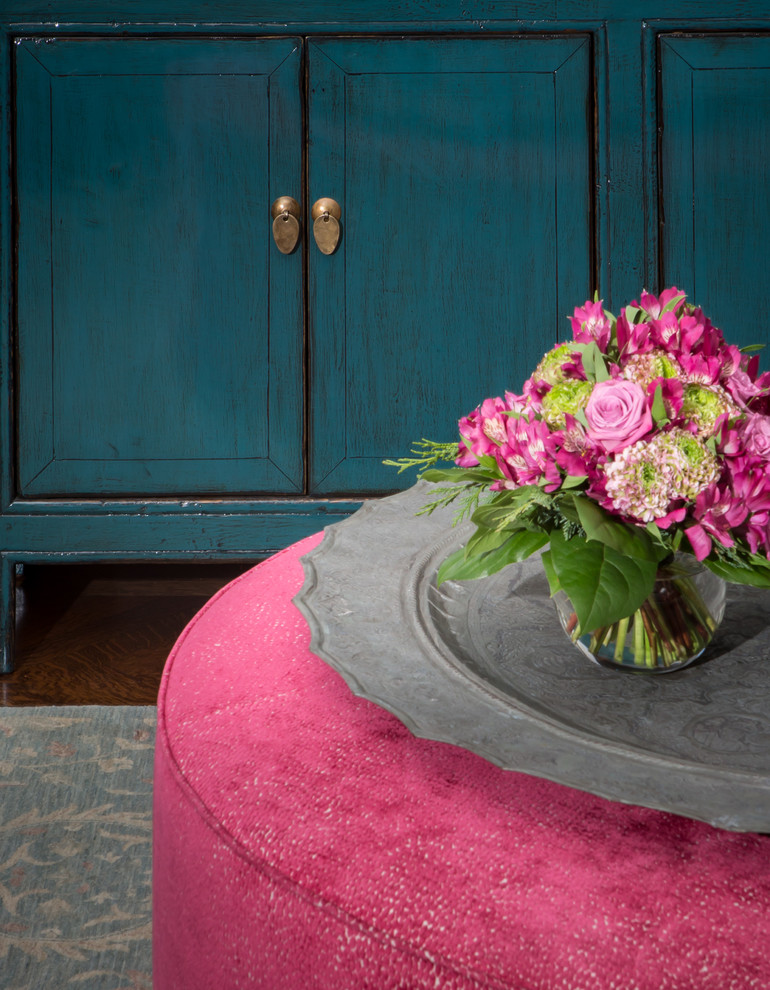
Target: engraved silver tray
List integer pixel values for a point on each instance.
(485, 665)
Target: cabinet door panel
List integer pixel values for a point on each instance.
(154, 358)
(463, 171)
(715, 178)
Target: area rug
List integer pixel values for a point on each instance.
(75, 847)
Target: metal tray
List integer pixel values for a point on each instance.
(485, 665)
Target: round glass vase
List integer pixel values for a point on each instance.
(672, 628)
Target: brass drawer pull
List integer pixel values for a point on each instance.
(326, 215)
(286, 213)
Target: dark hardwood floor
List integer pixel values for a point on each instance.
(100, 634)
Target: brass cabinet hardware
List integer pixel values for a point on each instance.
(326, 215)
(286, 213)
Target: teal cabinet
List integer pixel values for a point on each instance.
(159, 337)
(161, 334)
(715, 176)
(463, 169)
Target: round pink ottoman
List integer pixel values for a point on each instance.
(303, 838)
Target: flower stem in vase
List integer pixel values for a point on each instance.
(651, 646)
(669, 629)
(620, 638)
(697, 608)
(638, 641)
(665, 650)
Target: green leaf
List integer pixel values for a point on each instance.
(454, 568)
(488, 463)
(507, 512)
(659, 412)
(757, 576)
(593, 363)
(566, 505)
(602, 584)
(550, 573)
(485, 540)
(425, 453)
(455, 475)
(629, 540)
(580, 416)
(523, 544)
(673, 303)
(661, 539)
(518, 546)
(468, 495)
(403, 464)
(751, 348)
(573, 481)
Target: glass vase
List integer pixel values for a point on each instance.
(671, 629)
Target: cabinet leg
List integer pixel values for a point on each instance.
(7, 611)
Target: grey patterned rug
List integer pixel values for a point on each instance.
(75, 847)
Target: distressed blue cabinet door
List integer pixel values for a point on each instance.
(159, 329)
(715, 177)
(463, 171)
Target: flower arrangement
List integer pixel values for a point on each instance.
(643, 436)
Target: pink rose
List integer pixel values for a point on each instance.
(617, 413)
(756, 435)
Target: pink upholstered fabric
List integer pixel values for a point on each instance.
(304, 839)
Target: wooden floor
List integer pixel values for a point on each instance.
(100, 635)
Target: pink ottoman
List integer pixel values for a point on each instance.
(305, 839)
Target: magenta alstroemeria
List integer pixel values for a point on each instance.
(665, 331)
(634, 338)
(732, 361)
(654, 305)
(691, 332)
(730, 442)
(576, 455)
(471, 439)
(534, 390)
(742, 388)
(701, 368)
(528, 455)
(750, 483)
(716, 513)
(672, 393)
(590, 323)
(758, 533)
(485, 429)
(674, 516)
(713, 339)
(751, 488)
(761, 403)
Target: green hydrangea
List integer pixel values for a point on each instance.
(551, 367)
(702, 405)
(565, 397)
